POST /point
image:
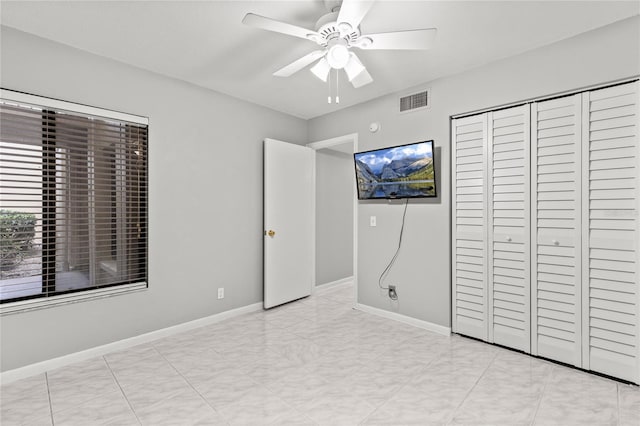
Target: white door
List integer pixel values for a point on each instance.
(288, 222)
(469, 228)
(509, 221)
(610, 200)
(556, 229)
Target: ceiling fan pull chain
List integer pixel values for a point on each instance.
(337, 87)
(329, 97)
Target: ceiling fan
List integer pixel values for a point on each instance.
(337, 32)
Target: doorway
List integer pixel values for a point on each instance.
(336, 212)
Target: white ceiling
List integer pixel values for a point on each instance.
(205, 43)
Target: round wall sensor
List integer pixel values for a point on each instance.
(374, 127)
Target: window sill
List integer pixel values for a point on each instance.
(65, 299)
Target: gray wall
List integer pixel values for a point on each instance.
(335, 182)
(204, 231)
(422, 272)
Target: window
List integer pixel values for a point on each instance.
(73, 201)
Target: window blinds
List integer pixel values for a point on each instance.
(73, 200)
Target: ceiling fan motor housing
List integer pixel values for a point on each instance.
(329, 29)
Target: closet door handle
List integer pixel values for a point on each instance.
(508, 238)
(555, 242)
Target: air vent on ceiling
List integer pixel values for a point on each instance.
(415, 101)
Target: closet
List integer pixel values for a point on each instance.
(545, 231)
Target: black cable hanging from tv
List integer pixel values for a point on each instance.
(395, 256)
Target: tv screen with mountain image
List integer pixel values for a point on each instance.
(405, 171)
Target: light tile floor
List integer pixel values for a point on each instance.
(317, 362)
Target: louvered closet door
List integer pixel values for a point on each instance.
(556, 229)
(610, 220)
(469, 273)
(509, 223)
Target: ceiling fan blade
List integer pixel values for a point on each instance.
(362, 79)
(269, 24)
(399, 40)
(297, 65)
(352, 11)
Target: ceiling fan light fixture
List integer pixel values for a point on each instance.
(338, 56)
(321, 69)
(354, 67)
(361, 79)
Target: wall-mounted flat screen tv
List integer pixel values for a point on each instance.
(405, 171)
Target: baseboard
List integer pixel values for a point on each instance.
(446, 331)
(334, 284)
(44, 366)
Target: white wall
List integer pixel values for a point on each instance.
(422, 272)
(335, 179)
(205, 211)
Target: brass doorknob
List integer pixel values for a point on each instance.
(271, 232)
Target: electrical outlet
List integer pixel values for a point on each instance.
(372, 221)
(392, 292)
(221, 293)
